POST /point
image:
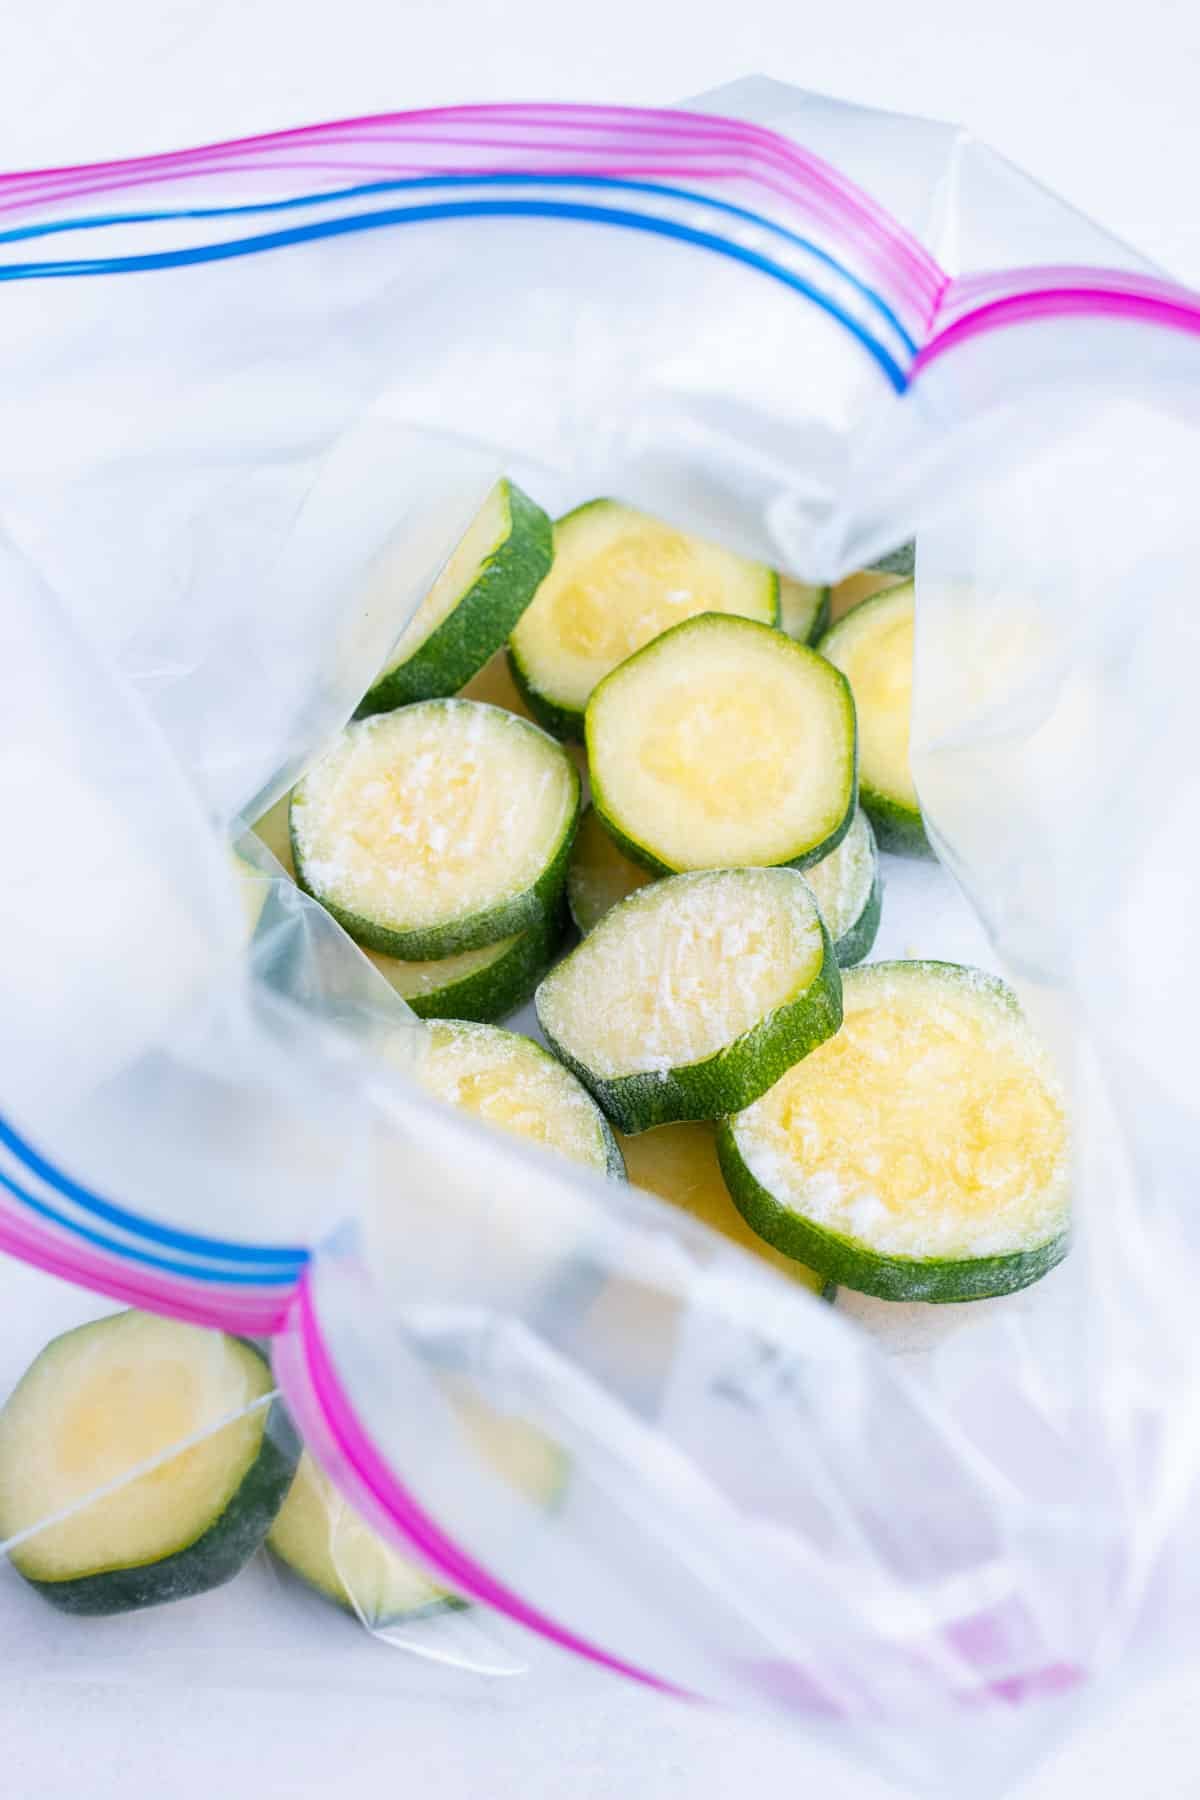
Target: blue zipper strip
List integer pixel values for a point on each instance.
(529, 209)
(269, 1266)
(51, 228)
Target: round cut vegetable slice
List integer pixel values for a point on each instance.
(484, 587)
(922, 1153)
(694, 995)
(849, 891)
(803, 609)
(722, 745)
(323, 1540)
(873, 647)
(437, 828)
(99, 1402)
(509, 1081)
(619, 579)
(599, 874)
(484, 984)
(679, 1164)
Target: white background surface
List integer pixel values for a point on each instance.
(1099, 100)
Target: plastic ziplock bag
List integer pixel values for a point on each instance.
(254, 393)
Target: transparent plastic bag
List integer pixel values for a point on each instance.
(255, 393)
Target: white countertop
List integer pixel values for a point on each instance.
(1099, 102)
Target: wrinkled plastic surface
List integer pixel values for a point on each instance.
(225, 482)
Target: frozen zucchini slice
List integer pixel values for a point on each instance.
(485, 586)
(321, 1538)
(598, 874)
(679, 1164)
(484, 984)
(922, 1153)
(509, 1081)
(619, 579)
(849, 891)
(873, 647)
(723, 745)
(108, 1397)
(888, 572)
(694, 995)
(803, 609)
(437, 828)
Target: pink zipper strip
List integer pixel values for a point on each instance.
(542, 139)
(1154, 303)
(201, 1303)
(329, 1424)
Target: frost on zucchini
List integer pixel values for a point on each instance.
(873, 647)
(438, 828)
(484, 587)
(98, 1403)
(694, 995)
(619, 579)
(922, 1153)
(512, 1083)
(679, 1164)
(485, 984)
(723, 745)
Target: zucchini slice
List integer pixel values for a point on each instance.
(921, 1154)
(484, 587)
(803, 609)
(509, 1081)
(873, 647)
(438, 828)
(849, 891)
(320, 1538)
(723, 745)
(619, 579)
(103, 1399)
(484, 984)
(694, 995)
(888, 572)
(598, 874)
(679, 1164)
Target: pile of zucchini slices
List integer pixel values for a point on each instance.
(644, 782)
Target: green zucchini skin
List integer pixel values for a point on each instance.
(493, 993)
(479, 624)
(212, 1559)
(897, 828)
(820, 624)
(856, 943)
(529, 910)
(841, 1260)
(735, 1075)
(562, 722)
(902, 561)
